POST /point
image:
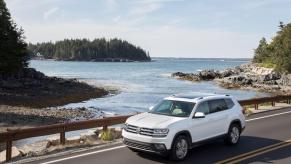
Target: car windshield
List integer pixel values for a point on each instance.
(173, 108)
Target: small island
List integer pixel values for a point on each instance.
(97, 50)
(269, 70)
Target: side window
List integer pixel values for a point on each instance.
(229, 103)
(203, 107)
(217, 105)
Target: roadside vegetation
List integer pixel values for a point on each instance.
(277, 53)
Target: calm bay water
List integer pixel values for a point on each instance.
(141, 85)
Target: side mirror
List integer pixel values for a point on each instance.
(199, 115)
(151, 108)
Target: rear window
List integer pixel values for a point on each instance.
(217, 105)
(229, 103)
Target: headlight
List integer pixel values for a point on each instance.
(160, 132)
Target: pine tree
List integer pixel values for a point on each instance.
(13, 49)
(261, 52)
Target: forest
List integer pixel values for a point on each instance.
(277, 53)
(86, 50)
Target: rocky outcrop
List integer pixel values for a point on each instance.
(203, 75)
(244, 76)
(32, 88)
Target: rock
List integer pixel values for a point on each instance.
(35, 149)
(246, 75)
(89, 136)
(10, 84)
(118, 132)
(208, 74)
(186, 76)
(15, 153)
(178, 74)
(226, 73)
(285, 80)
(54, 140)
(73, 140)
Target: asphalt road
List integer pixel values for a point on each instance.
(265, 140)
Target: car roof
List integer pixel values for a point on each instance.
(195, 96)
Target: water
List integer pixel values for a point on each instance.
(141, 85)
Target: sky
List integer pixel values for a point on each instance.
(165, 28)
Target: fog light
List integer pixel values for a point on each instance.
(160, 146)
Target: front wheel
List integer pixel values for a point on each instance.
(180, 148)
(233, 134)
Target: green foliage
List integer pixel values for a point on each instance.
(107, 135)
(277, 54)
(13, 49)
(267, 65)
(86, 50)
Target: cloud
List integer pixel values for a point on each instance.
(111, 5)
(50, 12)
(145, 9)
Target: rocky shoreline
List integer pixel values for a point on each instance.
(29, 99)
(23, 117)
(31, 88)
(246, 76)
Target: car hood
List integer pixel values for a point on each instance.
(149, 120)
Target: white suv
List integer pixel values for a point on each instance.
(181, 122)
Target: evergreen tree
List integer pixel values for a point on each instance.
(86, 50)
(278, 52)
(13, 49)
(261, 52)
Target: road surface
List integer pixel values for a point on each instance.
(266, 139)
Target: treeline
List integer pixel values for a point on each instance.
(277, 53)
(86, 50)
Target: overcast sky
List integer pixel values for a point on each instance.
(165, 28)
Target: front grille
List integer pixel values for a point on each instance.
(138, 145)
(139, 130)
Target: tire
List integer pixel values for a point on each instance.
(180, 148)
(233, 135)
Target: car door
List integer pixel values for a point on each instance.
(201, 128)
(218, 115)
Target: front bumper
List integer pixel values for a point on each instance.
(148, 139)
(145, 147)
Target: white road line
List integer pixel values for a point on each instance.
(119, 147)
(81, 155)
(258, 118)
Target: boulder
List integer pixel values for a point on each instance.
(118, 132)
(54, 140)
(89, 136)
(208, 74)
(73, 140)
(35, 149)
(285, 80)
(226, 73)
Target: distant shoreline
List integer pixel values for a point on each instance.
(111, 60)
